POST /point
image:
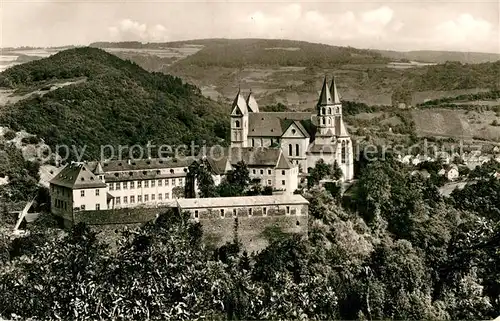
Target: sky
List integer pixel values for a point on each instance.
(392, 25)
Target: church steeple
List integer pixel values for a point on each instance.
(253, 107)
(325, 112)
(334, 92)
(239, 121)
(239, 106)
(325, 97)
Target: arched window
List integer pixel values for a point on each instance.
(290, 150)
(323, 110)
(324, 121)
(343, 152)
(338, 110)
(328, 121)
(297, 149)
(237, 124)
(253, 142)
(329, 110)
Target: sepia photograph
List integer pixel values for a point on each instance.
(249, 160)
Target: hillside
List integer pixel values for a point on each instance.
(119, 103)
(252, 44)
(263, 52)
(289, 72)
(441, 56)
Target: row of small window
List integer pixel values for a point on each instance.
(324, 111)
(152, 183)
(82, 192)
(235, 212)
(290, 150)
(139, 198)
(269, 172)
(61, 204)
(277, 141)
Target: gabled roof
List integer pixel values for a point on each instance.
(274, 124)
(283, 162)
(218, 165)
(77, 176)
(316, 148)
(255, 156)
(252, 105)
(251, 156)
(325, 97)
(334, 92)
(98, 169)
(239, 106)
(299, 126)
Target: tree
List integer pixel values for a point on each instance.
(320, 171)
(199, 172)
(236, 181)
(336, 172)
(178, 192)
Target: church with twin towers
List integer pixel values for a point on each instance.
(303, 138)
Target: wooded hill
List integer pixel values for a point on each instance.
(119, 103)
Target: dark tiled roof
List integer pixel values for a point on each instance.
(255, 156)
(325, 149)
(283, 162)
(274, 124)
(77, 176)
(135, 176)
(218, 165)
(144, 164)
(252, 156)
(239, 106)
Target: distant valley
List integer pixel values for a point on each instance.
(290, 73)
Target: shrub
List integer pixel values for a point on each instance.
(9, 135)
(30, 140)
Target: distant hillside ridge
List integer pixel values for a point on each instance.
(436, 56)
(441, 56)
(119, 104)
(264, 52)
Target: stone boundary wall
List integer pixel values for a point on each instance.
(251, 230)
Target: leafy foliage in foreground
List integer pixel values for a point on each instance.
(405, 253)
(23, 175)
(119, 103)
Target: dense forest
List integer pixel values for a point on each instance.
(119, 104)
(263, 52)
(392, 249)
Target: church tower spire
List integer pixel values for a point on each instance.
(334, 92)
(253, 107)
(239, 121)
(325, 112)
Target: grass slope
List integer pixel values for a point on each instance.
(120, 103)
